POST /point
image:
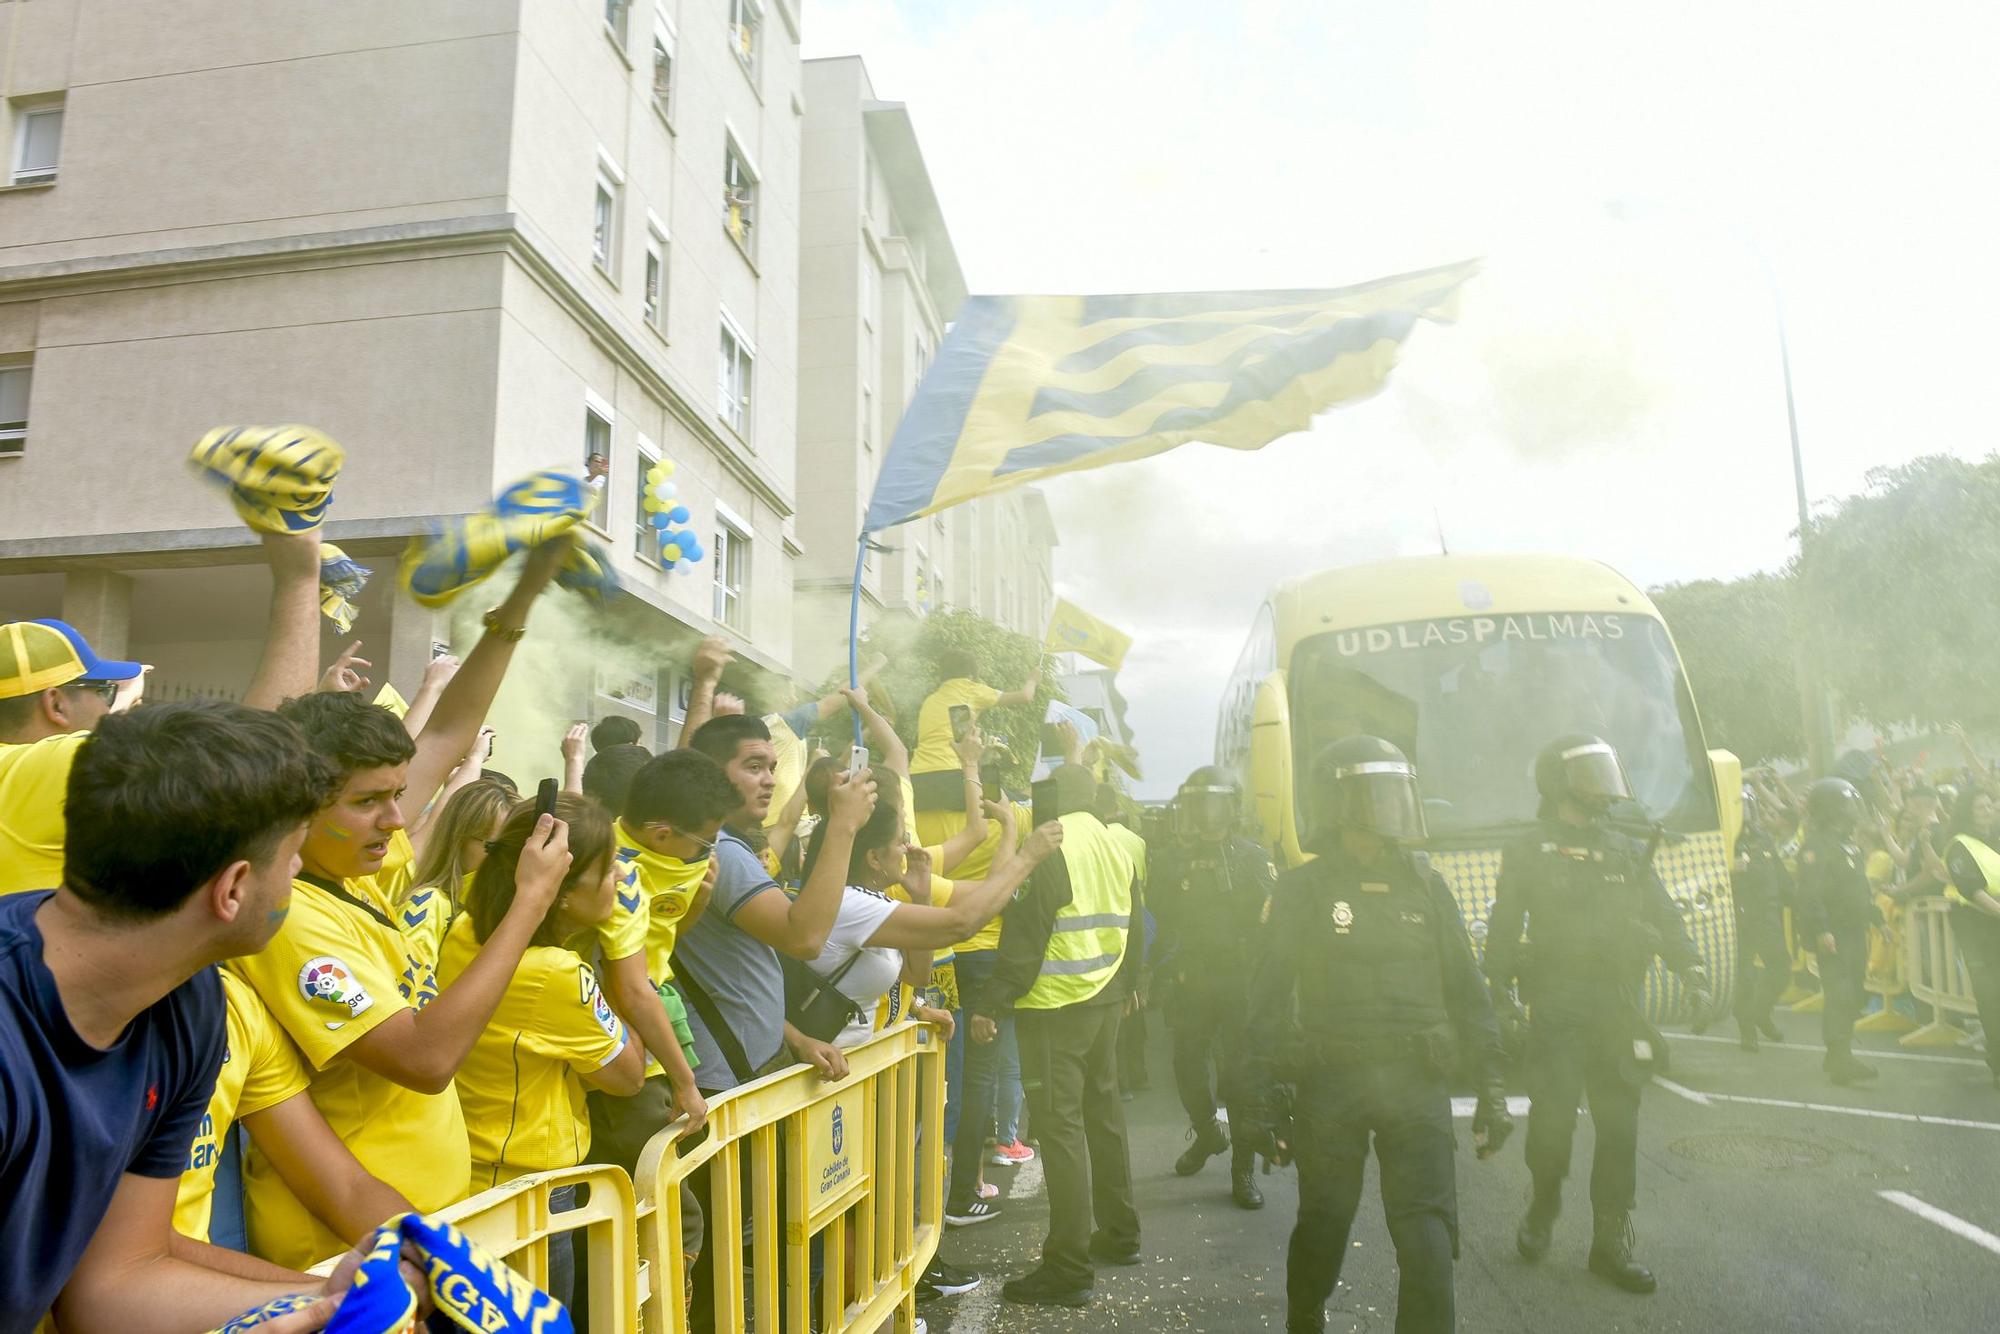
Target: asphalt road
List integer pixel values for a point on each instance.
(1755, 1215)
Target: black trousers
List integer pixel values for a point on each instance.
(1405, 1107)
(1841, 978)
(1593, 1059)
(1978, 938)
(1069, 1071)
(1132, 1074)
(1210, 1032)
(1760, 934)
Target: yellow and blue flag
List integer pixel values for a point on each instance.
(1074, 630)
(1026, 387)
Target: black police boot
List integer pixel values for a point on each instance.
(1243, 1179)
(1769, 1028)
(1305, 1322)
(1611, 1254)
(1749, 1031)
(1537, 1229)
(1209, 1140)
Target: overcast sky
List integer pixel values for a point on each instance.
(1612, 388)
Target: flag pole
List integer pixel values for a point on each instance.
(854, 628)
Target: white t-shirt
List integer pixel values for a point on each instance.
(862, 912)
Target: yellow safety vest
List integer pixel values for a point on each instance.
(1987, 860)
(1088, 942)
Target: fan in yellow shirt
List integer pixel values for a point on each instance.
(261, 1084)
(554, 1033)
(673, 811)
(960, 689)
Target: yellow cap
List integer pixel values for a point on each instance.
(34, 657)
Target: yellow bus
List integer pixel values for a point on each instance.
(1472, 664)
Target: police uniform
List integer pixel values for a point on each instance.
(1210, 900)
(1363, 999)
(1835, 899)
(1596, 914)
(1761, 887)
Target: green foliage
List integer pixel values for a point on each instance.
(1901, 581)
(913, 648)
(1736, 641)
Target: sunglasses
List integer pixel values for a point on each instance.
(703, 846)
(104, 690)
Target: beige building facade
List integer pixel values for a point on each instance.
(880, 284)
(468, 239)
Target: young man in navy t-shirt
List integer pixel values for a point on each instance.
(184, 823)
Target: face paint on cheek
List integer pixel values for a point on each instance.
(276, 917)
(334, 831)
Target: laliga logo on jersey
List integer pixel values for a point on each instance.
(328, 979)
(839, 1130)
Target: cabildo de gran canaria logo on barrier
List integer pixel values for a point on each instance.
(1539, 626)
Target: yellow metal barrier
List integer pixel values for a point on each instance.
(1936, 974)
(854, 1174)
(1888, 971)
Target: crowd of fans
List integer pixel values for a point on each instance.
(332, 941)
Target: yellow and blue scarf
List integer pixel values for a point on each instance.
(470, 1289)
(279, 478)
(541, 506)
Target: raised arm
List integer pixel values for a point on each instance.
(710, 659)
(879, 734)
(786, 828)
(462, 708)
(799, 927)
(923, 926)
(437, 675)
(1026, 693)
(572, 757)
(962, 844)
(290, 665)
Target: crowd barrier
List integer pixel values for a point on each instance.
(843, 1165)
(1936, 974)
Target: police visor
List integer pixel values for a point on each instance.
(1380, 797)
(1205, 812)
(1593, 775)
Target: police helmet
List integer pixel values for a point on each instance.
(1368, 785)
(1206, 806)
(1581, 768)
(1834, 804)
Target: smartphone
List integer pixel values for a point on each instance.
(1042, 798)
(857, 761)
(545, 802)
(961, 721)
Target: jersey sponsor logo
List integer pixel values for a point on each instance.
(593, 1001)
(1343, 917)
(331, 982)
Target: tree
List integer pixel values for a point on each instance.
(1902, 580)
(913, 648)
(1736, 641)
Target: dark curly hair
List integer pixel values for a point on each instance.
(349, 731)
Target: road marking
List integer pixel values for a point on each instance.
(1807, 1046)
(1978, 1236)
(977, 1308)
(1874, 1113)
(1461, 1108)
(1681, 1089)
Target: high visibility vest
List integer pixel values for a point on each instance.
(1088, 941)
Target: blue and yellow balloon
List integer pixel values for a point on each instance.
(664, 512)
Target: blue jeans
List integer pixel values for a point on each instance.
(562, 1248)
(980, 1082)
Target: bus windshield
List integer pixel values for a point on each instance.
(1473, 699)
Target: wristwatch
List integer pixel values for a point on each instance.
(494, 626)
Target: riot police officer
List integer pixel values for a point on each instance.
(1836, 908)
(1208, 897)
(1597, 915)
(1761, 887)
(1364, 998)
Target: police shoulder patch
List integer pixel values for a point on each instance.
(331, 982)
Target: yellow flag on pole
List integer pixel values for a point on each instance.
(1073, 630)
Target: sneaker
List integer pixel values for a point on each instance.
(1011, 1155)
(1040, 1289)
(979, 1211)
(944, 1280)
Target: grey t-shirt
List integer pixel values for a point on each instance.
(739, 972)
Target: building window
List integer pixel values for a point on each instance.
(663, 67)
(14, 410)
(654, 298)
(597, 419)
(646, 541)
(604, 225)
(37, 144)
(868, 418)
(739, 194)
(732, 574)
(922, 361)
(746, 33)
(733, 388)
(618, 21)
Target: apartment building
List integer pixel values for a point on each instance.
(467, 238)
(880, 283)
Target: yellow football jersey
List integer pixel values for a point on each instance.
(34, 780)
